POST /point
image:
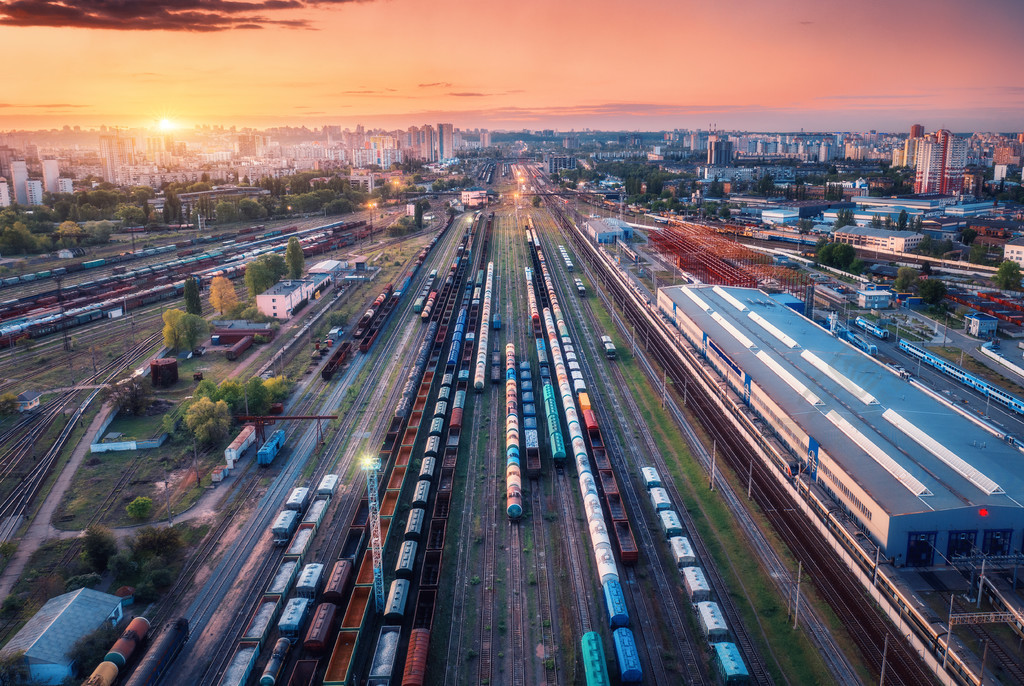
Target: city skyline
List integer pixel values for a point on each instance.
(793, 65)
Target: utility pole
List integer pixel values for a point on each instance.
(885, 654)
(750, 478)
(714, 451)
(796, 600)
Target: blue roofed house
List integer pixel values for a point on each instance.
(48, 637)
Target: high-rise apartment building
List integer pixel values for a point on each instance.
(485, 138)
(51, 172)
(19, 176)
(117, 152)
(65, 185)
(34, 191)
(6, 155)
(445, 145)
(941, 158)
(5, 193)
(719, 152)
(917, 131)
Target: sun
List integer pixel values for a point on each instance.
(167, 125)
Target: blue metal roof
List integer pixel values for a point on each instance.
(53, 630)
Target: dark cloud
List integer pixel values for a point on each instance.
(465, 94)
(200, 16)
(438, 84)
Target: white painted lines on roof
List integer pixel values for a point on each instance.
(791, 380)
(985, 484)
(696, 298)
(878, 455)
(787, 340)
(724, 294)
(840, 378)
(733, 331)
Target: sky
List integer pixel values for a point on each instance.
(760, 65)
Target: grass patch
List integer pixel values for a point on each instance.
(975, 367)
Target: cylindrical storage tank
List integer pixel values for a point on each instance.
(394, 608)
(427, 468)
(105, 674)
(130, 639)
(277, 659)
(416, 658)
(605, 560)
(414, 525)
(421, 494)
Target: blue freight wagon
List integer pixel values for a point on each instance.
(293, 619)
(630, 670)
(269, 450)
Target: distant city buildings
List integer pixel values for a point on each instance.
(5, 193)
(51, 173)
(720, 151)
(117, 151)
(941, 158)
(19, 176)
(557, 163)
(34, 192)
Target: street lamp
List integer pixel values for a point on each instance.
(372, 207)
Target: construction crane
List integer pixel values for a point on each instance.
(371, 465)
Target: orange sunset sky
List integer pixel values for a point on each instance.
(751, 64)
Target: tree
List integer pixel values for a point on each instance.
(69, 233)
(98, 232)
(208, 421)
(420, 207)
(250, 209)
(222, 294)
(1008, 276)
(901, 221)
(294, 257)
(193, 305)
(277, 387)
(140, 508)
(8, 404)
(844, 218)
(257, 396)
(876, 222)
(766, 185)
(98, 546)
(724, 212)
(932, 291)
(226, 212)
(978, 253)
(90, 580)
(156, 542)
(182, 331)
(90, 650)
(968, 235)
(264, 272)
(130, 215)
(131, 396)
(536, 201)
(906, 277)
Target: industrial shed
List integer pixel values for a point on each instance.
(923, 479)
(48, 637)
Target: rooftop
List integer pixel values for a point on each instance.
(54, 629)
(911, 451)
(285, 287)
(877, 233)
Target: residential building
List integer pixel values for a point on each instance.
(282, 299)
(941, 159)
(720, 151)
(559, 162)
(47, 638)
(65, 185)
(1015, 251)
(485, 138)
(917, 131)
(5, 193)
(878, 239)
(34, 192)
(474, 197)
(51, 172)
(19, 175)
(445, 142)
(117, 151)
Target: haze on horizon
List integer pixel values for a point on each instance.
(783, 65)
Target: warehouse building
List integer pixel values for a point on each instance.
(607, 230)
(48, 637)
(286, 297)
(921, 478)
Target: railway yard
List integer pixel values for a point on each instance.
(511, 465)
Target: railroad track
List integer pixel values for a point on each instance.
(340, 445)
(564, 493)
(836, 584)
(1013, 672)
(646, 617)
(22, 498)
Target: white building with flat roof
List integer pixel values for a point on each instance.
(5, 193)
(51, 174)
(34, 192)
(280, 300)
